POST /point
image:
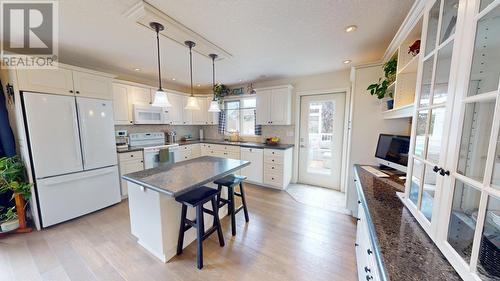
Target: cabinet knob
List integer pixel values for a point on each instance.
(77, 92)
(71, 91)
(435, 169)
(367, 269)
(131, 122)
(368, 277)
(369, 251)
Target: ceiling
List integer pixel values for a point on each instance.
(268, 39)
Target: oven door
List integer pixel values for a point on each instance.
(151, 158)
(144, 114)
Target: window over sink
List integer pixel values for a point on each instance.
(240, 116)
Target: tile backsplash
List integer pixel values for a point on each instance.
(285, 133)
(193, 130)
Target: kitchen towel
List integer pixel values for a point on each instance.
(164, 155)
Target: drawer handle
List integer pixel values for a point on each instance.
(272, 178)
(368, 278)
(367, 269)
(369, 251)
(272, 160)
(131, 155)
(272, 168)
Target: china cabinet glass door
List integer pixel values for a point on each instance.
(470, 216)
(432, 116)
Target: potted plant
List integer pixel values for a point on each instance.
(220, 91)
(9, 220)
(379, 89)
(13, 178)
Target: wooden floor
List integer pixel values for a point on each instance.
(285, 240)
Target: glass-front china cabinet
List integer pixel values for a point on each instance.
(453, 186)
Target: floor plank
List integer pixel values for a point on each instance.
(285, 240)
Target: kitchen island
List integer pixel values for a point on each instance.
(154, 213)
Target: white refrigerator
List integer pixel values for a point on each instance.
(73, 155)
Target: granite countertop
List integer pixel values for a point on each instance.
(235, 143)
(407, 252)
(178, 178)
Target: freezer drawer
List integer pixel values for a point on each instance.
(66, 197)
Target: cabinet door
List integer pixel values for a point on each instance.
(140, 95)
(174, 113)
(263, 109)
(50, 81)
(255, 171)
(200, 117)
(281, 102)
(121, 110)
(127, 167)
(187, 115)
(92, 86)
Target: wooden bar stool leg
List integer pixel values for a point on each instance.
(244, 201)
(200, 227)
(217, 222)
(180, 241)
(232, 209)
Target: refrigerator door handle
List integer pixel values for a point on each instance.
(76, 135)
(76, 176)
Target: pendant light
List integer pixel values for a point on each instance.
(192, 102)
(160, 98)
(214, 104)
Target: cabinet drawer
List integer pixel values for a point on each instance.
(273, 168)
(273, 159)
(274, 152)
(273, 179)
(130, 156)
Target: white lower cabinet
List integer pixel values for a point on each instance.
(129, 162)
(254, 172)
(277, 167)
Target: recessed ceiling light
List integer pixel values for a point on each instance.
(173, 79)
(347, 61)
(198, 85)
(137, 69)
(351, 28)
(241, 80)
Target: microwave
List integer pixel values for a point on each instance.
(147, 114)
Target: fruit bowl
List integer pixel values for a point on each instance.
(273, 141)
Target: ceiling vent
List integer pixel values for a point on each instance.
(143, 13)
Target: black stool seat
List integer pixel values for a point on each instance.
(230, 180)
(196, 198)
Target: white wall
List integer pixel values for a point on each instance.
(367, 124)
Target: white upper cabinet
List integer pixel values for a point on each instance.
(52, 81)
(212, 117)
(121, 110)
(92, 86)
(274, 106)
(141, 95)
(200, 117)
(174, 113)
(65, 81)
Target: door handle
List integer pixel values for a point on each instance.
(303, 145)
(436, 169)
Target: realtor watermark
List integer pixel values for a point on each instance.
(29, 37)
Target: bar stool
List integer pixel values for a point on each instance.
(230, 182)
(195, 199)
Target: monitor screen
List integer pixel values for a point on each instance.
(393, 148)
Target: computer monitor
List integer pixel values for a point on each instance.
(392, 151)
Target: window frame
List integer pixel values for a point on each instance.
(240, 115)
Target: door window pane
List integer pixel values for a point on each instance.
(463, 219)
(476, 132)
(416, 179)
(428, 191)
(425, 90)
(420, 135)
(488, 266)
(435, 134)
(495, 178)
(449, 19)
(485, 70)
(442, 76)
(432, 28)
(321, 120)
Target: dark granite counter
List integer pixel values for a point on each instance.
(235, 143)
(406, 250)
(239, 143)
(175, 179)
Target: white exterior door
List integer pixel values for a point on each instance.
(53, 133)
(321, 136)
(97, 133)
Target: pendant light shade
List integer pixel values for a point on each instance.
(214, 104)
(160, 98)
(192, 102)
